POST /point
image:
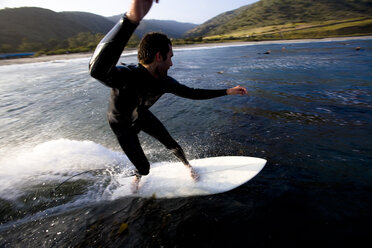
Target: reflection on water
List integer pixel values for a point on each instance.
(285, 116)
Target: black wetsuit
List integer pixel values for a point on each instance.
(133, 91)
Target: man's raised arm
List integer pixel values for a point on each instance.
(102, 65)
(138, 9)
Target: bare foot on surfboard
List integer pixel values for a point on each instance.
(135, 184)
(194, 174)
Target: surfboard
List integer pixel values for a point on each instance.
(217, 175)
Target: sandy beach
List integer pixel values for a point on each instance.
(89, 54)
(44, 58)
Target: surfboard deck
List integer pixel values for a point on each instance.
(217, 175)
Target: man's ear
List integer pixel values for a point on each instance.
(158, 57)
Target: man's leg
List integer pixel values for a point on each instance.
(129, 142)
(152, 126)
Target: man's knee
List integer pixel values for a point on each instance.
(172, 145)
(143, 171)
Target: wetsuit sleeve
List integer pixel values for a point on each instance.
(191, 93)
(102, 65)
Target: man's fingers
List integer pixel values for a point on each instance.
(239, 90)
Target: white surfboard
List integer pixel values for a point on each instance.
(217, 175)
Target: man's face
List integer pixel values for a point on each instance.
(164, 65)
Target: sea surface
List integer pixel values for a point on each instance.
(308, 112)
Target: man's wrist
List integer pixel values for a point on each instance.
(131, 18)
(129, 21)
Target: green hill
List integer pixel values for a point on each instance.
(273, 17)
(35, 25)
(173, 29)
(94, 23)
(32, 29)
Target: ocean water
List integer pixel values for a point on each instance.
(308, 112)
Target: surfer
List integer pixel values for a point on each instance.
(135, 88)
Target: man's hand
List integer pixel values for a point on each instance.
(138, 9)
(238, 90)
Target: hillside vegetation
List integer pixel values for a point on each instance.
(94, 23)
(44, 31)
(173, 29)
(288, 19)
(33, 29)
(30, 29)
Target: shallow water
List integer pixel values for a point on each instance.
(309, 113)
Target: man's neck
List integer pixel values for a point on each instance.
(151, 68)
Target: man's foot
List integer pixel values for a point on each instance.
(194, 174)
(135, 184)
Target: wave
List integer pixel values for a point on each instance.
(80, 170)
(59, 175)
(55, 161)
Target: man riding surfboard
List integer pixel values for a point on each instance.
(135, 88)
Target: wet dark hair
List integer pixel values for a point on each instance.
(150, 45)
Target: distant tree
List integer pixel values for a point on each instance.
(62, 45)
(7, 48)
(78, 40)
(52, 44)
(133, 41)
(27, 46)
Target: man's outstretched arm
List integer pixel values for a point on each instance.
(200, 94)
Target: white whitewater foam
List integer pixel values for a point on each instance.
(57, 160)
(54, 160)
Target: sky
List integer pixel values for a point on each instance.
(194, 11)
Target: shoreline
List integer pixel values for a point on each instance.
(48, 58)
